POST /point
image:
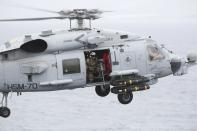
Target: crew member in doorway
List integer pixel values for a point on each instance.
(92, 62)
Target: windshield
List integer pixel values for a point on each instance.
(154, 52)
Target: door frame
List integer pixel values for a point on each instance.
(78, 78)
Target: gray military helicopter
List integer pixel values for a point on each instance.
(112, 61)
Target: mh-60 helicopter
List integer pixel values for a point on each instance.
(112, 61)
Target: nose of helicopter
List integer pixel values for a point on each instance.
(179, 65)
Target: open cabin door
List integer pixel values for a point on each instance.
(98, 66)
(71, 66)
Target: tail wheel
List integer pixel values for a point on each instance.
(4, 112)
(125, 98)
(102, 90)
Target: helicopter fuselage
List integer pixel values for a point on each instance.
(51, 70)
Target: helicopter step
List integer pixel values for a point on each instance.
(4, 110)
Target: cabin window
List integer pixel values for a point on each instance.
(155, 52)
(71, 66)
(123, 36)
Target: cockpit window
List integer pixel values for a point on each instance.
(154, 52)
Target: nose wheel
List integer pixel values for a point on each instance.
(4, 110)
(125, 98)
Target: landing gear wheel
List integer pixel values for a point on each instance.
(125, 98)
(102, 90)
(4, 112)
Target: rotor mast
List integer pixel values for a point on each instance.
(81, 16)
(80, 24)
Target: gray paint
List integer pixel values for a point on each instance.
(46, 67)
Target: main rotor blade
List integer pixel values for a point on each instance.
(18, 5)
(106, 11)
(38, 9)
(33, 19)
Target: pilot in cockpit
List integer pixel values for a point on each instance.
(154, 52)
